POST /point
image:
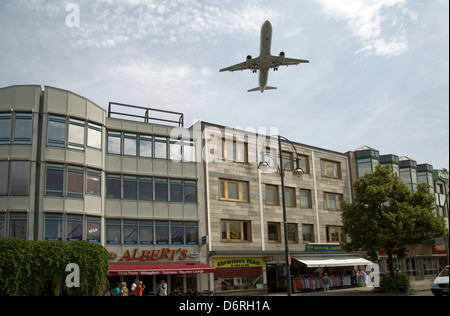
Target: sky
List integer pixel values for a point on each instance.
(378, 72)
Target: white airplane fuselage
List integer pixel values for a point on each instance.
(264, 55)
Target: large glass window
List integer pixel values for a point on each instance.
(145, 189)
(175, 150)
(114, 142)
(5, 128)
(129, 188)
(75, 182)
(146, 232)
(236, 231)
(76, 134)
(130, 232)
(190, 191)
(161, 147)
(93, 229)
(113, 186)
(22, 128)
(53, 227)
(145, 146)
(129, 144)
(189, 151)
(332, 201)
(93, 182)
(56, 131)
(55, 180)
(177, 233)
(233, 191)
(18, 225)
(74, 227)
(113, 231)
(176, 190)
(331, 169)
(233, 150)
(161, 189)
(335, 234)
(19, 178)
(4, 167)
(191, 233)
(94, 138)
(162, 232)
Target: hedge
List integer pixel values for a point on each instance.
(34, 267)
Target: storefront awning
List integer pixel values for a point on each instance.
(159, 269)
(333, 262)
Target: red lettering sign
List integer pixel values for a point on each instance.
(155, 255)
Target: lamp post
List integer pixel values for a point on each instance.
(297, 172)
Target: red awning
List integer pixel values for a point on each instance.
(159, 269)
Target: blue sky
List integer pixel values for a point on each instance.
(378, 72)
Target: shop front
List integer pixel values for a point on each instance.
(240, 276)
(179, 268)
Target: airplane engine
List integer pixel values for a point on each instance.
(249, 60)
(281, 59)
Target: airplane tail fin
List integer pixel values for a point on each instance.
(259, 89)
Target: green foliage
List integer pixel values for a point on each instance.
(386, 215)
(29, 267)
(399, 283)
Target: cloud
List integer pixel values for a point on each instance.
(378, 24)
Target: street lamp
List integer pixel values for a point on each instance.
(298, 172)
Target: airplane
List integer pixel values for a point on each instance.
(265, 61)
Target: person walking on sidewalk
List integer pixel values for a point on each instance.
(326, 282)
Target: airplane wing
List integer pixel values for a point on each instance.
(276, 61)
(251, 64)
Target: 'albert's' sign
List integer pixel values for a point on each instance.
(155, 255)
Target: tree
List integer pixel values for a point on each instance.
(386, 215)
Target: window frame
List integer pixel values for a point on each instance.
(244, 225)
(270, 187)
(338, 200)
(240, 188)
(274, 237)
(336, 166)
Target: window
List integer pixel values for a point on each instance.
(18, 225)
(55, 180)
(287, 161)
(2, 225)
(94, 138)
(113, 231)
(114, 142)
(304, 163)
(76, 134)
(75, 182)
(74, 227)
(5, 128)
(130, 232)
(146, 232)
(308, 233)
(145, 146)
(189, 151)
(93, 182)
(233, 191)
(236, 231)
(272, 195)
(191, 233)
(162, 232)
(113, 186)
(177, 233)
(129, 188)
(56, 131)
(19, 178)
(233, 151)
(331, 169)
(53, 227)
(176, 190)
(4, 167)
(22, 128)
(161, 189)
(290, 197)
(305, 199)
(292, 233)
(129, 144)
(175, 150)
(145, 189)
(274, 232)
(364, 166)
(161, 147)
(332, 201)
(335, 234)
(93, 229)
(190, 191)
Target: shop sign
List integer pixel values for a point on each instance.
(155, 255)
(239, 263)
(322, 248)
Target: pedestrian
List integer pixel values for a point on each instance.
(116, 290)
(140, 288)
(162, 288)
(124, 289)
(326, 282)
(134, 287)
